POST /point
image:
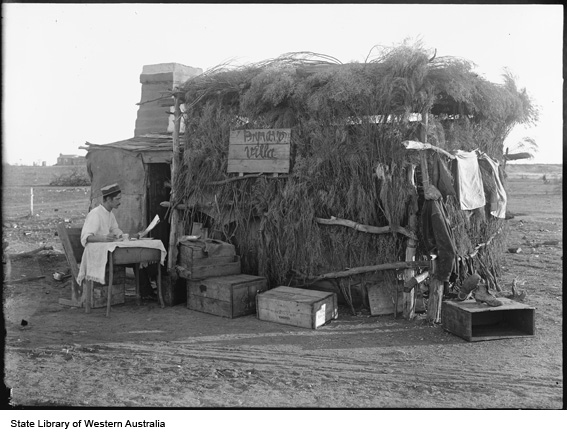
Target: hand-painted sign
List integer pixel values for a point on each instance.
(265, 150)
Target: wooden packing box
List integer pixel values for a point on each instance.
(205, 259)
(198, 271)
(99, 293)
(227, 296)
(206, 252)
(475, 321)
(297, 307)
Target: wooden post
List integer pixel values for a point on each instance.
(88, 295)
(422, 155)
(409, 297)
(31, 202)
(175, 163)
(435, 300)
(137, 279)
(435, 296)
(110, 282)
(174, 221)
(424, 170)
(435, 285)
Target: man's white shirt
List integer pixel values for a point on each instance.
(99, 222)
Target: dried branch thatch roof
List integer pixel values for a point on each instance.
(345, 120)
(399, 82)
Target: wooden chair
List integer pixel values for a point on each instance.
(81, 295)
(71, 241)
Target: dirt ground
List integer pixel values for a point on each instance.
(145, 356)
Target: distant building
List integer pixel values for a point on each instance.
(70, 160)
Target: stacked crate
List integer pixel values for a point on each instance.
(206, 258)
(214, 282)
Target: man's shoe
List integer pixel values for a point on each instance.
(481, 294)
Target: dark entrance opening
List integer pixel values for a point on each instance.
(159, 190)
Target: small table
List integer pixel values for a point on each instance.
(121, 253)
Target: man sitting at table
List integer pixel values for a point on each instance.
(100, 224)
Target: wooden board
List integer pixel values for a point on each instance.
(298, 307)
(242, 166)
(382, 300)
(259, 150)
(131, 255)
(475, 321)
(71, 241)
(271, 136)
(227, 296)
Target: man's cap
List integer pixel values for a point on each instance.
(110, 189)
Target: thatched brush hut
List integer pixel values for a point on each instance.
(348, 123)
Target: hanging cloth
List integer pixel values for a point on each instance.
(442, 178)
(497, 197)
(470, 190)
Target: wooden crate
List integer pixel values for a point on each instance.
(198, 271)
(474, 321)
(227, 296)
(297, 307)
(100, 292)
(207, 252)
(198, 260)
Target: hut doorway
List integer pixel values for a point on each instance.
(158, 190)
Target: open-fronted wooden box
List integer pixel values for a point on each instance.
(475, 321)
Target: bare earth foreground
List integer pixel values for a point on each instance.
(144, 356)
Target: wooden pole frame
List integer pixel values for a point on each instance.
(408, 299)
(175, 163)
(435, 285)
(408, 265)
(366, 228)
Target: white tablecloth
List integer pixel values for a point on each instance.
(95, 256)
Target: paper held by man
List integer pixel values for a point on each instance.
(150, 227)
(141, 235)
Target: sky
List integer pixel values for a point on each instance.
(71, 71)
